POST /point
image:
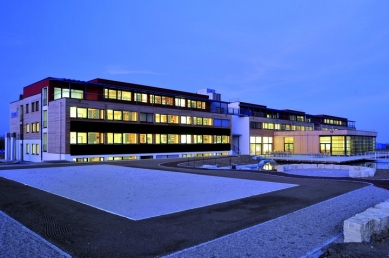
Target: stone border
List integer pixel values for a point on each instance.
(354, 171)
(362, 226)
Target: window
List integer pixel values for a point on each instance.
(130, 116)
(198, 120)
(82, 113)
(161, 138)
(141, 97)
(117, 115)
(36, 105)
(26, 108)
(180, 102)
(33, 127)
(225, 139)
(81, 138)
(95, 138)
(109, 114)
(186, 120)
(172, 119)
(110, 94)
(155, 99)
(95, 113)
(197, 138)
(223, 122)
(27, 148)
(27, 128)
(37, 149)
(207, 139)
(33, 149)
(32, 106)
(186, 139)
(73, 137)
(146, 117)
(45, 141)
(167, 101)
(173, 138)
(126, 95)
(44, 96)
(130, 138)
(146, 138)
(117, 138)
(68, 93)
(207, 121)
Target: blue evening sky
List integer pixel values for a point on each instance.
(321, 57)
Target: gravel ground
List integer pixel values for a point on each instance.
(299, 234)
(18, 241)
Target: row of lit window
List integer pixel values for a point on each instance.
(281, 127)
(67, 93)
(34, 149)
(33, 127)
(133, 138)
(131, 116)
(260, 139)
(333, 122)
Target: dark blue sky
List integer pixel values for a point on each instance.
(321, 57)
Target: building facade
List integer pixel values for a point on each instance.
(99, 120)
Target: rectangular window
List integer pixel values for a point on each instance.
(73, 137)
(45, 141)
(95, 138)
(186, 139)
(198, 139)
(186, 120)
(73, 112)
(225, 139)
(141, 97)
(167, 101)
(146, 138)
(155, 99)
(172, 119)
(117, 115)
(32, 106)
(110, 94)
(27, 148)
(33, 127)
(146, 117)
(37, 126)
(207, 139)
(82, 113)
(207, 121)
(126, 95)
(130, 138)
(110, 138)
(217, 138)
(37, 149)
(26, 108)
(57, 93)
(173, 138)
(44, 96)
(180, 102)
(117, 138)
(36, 105)
(198, 120)
(95, 113)
(161, 138)
(33, 149)
(81, 138)
(109, 114)
(224, 122)
(130, 116)
(27, 128)
(77, 94)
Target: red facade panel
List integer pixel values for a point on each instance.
(35, 88)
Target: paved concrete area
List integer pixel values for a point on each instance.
(84, 231)
(137, 193)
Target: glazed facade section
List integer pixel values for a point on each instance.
(99, 120)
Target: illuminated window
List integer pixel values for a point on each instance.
(27, 128)
(95, 113)
(141, 97)
(155, 99)
(217, 138)
(33, 127)
(32, 148)
(95, 138)
(186, 139)
(110, 94)
(130, 138)
(173, 138)
(207, 121)
(37, 126)
(186, 120)
(130, 116)
(73, 111)
(37, 149)
(81, 112)
(198, 120)
(161, 138)
(81, 138)
(109, 114)
(73, 138)
(146, 138)
(110, 138)
(207, 139)
(225, 139)
(167, 100)
(197, 138)
(126, 95)
(117, 115)
(117, 138)
(172, 119)
(180, 102)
